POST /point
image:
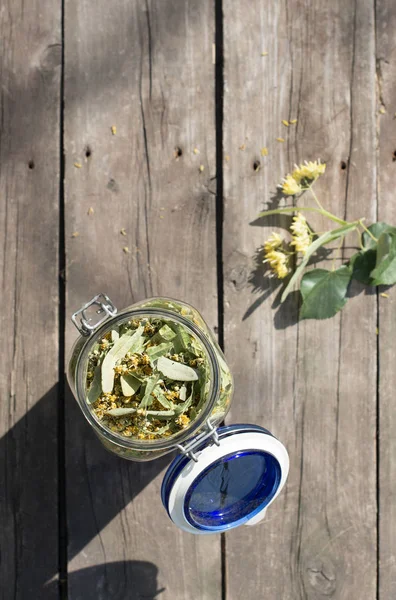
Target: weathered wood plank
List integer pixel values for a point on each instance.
(386, 72)
(29, 178)
(146, 68)
(305, 381)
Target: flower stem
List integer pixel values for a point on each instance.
(325, 212)
(329, 215)
(367, 230)
(360, 239)
(315, 198)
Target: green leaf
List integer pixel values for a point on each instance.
(161, 430)
(326, 238)
(121, 412)
(155, 352)
(182, 341)
(167, 333)
(129, 385)
(383, 247)
(385, 269)
(363, 263)
(162, 399)
(137, 341)
(95, 389)
(159, 414)
(376, 229)
(147, 398)
(115, 335)
(176, 371)
(324, 292)
(181, 408)
(117, 352)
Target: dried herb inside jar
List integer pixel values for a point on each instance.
(147, 379)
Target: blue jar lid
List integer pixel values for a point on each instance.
(230, 484)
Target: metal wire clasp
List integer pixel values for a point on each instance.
(188, 449)
(84, 324)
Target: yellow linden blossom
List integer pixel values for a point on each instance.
(275, 257)
(273, 242)
(278, 261)
(309, 170)
(290, 186)
(301, 236)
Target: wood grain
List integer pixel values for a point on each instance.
(29, 186)
(386, 71)
(147, 69)
(312, 383)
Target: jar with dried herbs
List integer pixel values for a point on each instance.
(149, 377)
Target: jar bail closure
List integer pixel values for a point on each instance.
(85, 323)
(188, 449)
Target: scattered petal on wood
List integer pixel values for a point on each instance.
(75, 234)
(201, 168)
(242, 147)
(196, 151)
(384, 295)
(293, 121)
(264, 54)
(78, 165)
(382, 110)
(114, 130)
(90, 211)
(264, 151)
(123, 232)
(126, 250)
(285, 123)
(281, 140)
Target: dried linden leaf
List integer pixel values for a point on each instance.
(176, 371)
(95, 388)
(147, 398)
(129, 385)
(155, 352)
(116, 353)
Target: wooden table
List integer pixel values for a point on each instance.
(195, 90)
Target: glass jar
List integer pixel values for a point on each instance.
(219, 395)
(223, 477)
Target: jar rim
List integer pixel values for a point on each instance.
(130, 443)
